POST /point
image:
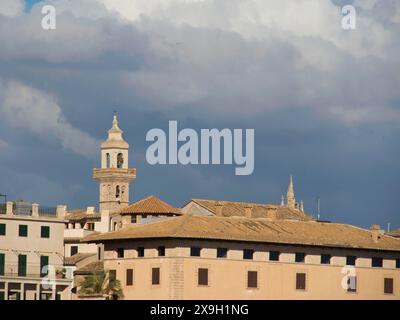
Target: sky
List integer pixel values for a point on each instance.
(324, 101)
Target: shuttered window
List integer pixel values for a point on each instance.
(274, 255)
(129, 277)
(195, 252)
(44, 261)
(23, 230)
(222, 253)
(161, 251)
(203, 277)
(45, 232)
(388, 285)
(351, 260)
(300, 281)
(325, 258)
(2, 229)
(300, 257)
(22, 265)
(2, 263)
(155, 276)
(252, 279)
(377, 262)
(248, 254)
(140, 252)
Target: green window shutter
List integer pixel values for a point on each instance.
(2, 229)
(2, 263)
(22, 265)
(45, 232)
(44, 261)
(23, 230)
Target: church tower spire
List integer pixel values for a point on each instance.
(290, 198)
(114, 176)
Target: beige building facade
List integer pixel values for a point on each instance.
(217, 258)
(32, 252)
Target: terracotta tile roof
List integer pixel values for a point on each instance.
(73, 260)
(150, 205)
(394, 233)
(255, 230)
(97, 266)
(233, 208)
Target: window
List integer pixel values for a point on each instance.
(274, 255)
(108, 160)
(74, 250)
(300, 257)
(351, 260)
(388, 286)
(2, 229)
(98, 253)
(120, 252)
(45, 232)
(155, 276)
(44, 262)
(140, 252)
(202, 277)
(23, 230)
(252, 279)
(133, 219)
(325, 258)
(398, 263)
(22, 265)
(129, 277)
(300, 281)
(195, 251)
(248, 254)
(161, 251)
(222, 253)
(351, 284)
(2, 263)
(117, 191)
(377, 262)
(113, 275)
(120, 160)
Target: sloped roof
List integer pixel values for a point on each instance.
(73, 260)
(97, 266)
(150, 205)
(233, 208)
(293, 232)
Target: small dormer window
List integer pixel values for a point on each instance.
(120, 160)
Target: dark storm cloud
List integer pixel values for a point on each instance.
(324, 103)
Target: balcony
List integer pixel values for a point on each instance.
(76, 233)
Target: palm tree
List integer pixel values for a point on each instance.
(101, 283)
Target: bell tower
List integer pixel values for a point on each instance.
(114, 176)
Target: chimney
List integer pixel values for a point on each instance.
(90, 210)
(218, 209)
(9, 208)
(35, 210)
(375, 231)
(248, 210)
(271, 213)
(61, 210)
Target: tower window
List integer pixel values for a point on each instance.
(120, 160)
(117, 192)
(108, 160)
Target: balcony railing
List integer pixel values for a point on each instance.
(3, 208)
(47, 211)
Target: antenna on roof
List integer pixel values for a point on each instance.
(318, 208)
